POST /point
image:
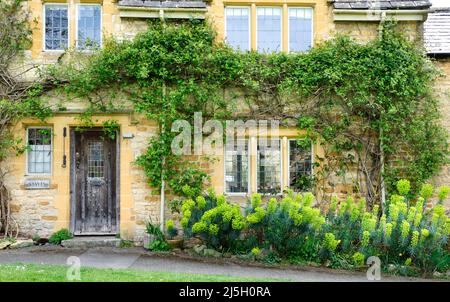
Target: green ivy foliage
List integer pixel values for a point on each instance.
(367, 103)
(18, 98)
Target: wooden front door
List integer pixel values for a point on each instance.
(95, 207)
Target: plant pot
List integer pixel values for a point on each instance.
(148, 239)
(176, 243)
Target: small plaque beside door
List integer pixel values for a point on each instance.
(36, 184)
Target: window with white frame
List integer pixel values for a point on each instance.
(268, 29)
(238, 27)
(89, 28)
(300, 29)
(236, 167)
(56, 26)
(300, 166)
(39, 157)
(269, 166)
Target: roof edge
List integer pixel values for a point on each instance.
(379, 15)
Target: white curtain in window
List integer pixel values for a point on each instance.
(39, 152)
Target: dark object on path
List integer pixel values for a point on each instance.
(41, 241)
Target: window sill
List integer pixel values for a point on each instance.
(236, 194)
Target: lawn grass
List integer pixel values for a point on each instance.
(57, 273)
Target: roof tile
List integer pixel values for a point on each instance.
(164, 4)
(381, 4)
(437, 32)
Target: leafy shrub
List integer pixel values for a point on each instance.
(59, 236)
(172, 231)
(407, 232)
(159, 246)
(284, 225)
(159, 243)
(358, 259)
(214, 219)
(126, 243)
(407, 229)
(153, 229)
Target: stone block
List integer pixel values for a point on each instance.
(49, 218)
(21, 244)
(4, 244)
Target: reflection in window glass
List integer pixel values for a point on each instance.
(269, 29)
(238, 31)
(56, 27)
(236, 168)
(300, 29)
(95, 159)
(269, 167)
(89, 26)
(300, 166)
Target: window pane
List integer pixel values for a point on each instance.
(238, 32)
(40, 150)
(300, 166)
(95, 159)
(236, 167)
(89, 30)
(300, 29)
(56, 24)
(269, 29)
(269, 167)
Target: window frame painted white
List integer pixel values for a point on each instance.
(27, 164)
(281, 28)
(77, 12)
(249, 9)
(288, 153)
(289, 26)
(280, 142)
(248, 170)
(44, 27)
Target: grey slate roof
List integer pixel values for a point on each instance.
(437, 32)
(164, 4)
(381, 4)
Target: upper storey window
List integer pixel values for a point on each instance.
(89, 26)
(300, 29)
(56, 27)
(269, 29)
(238, 27)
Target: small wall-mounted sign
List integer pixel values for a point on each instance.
(34, 184)
(128, 135)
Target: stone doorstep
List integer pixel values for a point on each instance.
(91, 241)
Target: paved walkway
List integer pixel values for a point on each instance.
(137, 258)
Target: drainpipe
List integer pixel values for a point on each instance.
(163, 201)
(382, 184)
(163, 182)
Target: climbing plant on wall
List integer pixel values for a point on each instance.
(19, 98)
(370, 105)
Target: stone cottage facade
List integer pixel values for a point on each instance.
(437, 42)
(44, 183)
